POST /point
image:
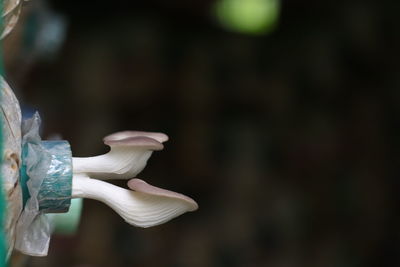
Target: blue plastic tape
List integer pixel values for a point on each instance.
(55, 191)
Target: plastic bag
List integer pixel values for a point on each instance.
(33, 228)
(46, 181)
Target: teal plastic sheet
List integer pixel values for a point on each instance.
(46, 180)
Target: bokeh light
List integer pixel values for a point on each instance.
(248, 16)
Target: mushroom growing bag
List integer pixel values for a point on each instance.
(46, 180)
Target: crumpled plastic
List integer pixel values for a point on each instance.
(46, 181)
(33, 229)
(10, 117)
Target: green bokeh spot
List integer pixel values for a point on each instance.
(248, 16)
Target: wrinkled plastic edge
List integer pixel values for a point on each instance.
(48, 177)
(33, 228)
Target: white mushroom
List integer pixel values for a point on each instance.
(129, 153)
(145, 207)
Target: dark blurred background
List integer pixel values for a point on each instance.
(286, 135)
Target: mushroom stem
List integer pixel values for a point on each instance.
(139, 208)
(118, 164)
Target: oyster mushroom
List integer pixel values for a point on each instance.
(144, 205)
(128, 156)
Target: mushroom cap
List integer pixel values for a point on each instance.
(141, 186)
(160, 137)
(143, 142)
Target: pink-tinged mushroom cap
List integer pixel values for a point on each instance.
(160, 137)
(141, 186)
(136, 142)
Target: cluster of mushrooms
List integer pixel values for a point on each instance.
(141, 204)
